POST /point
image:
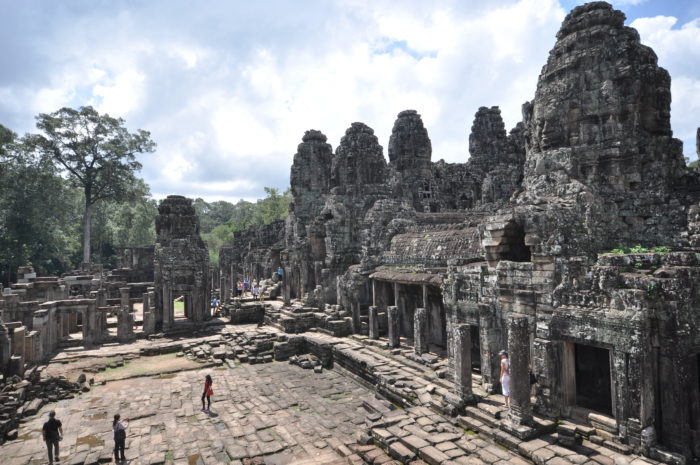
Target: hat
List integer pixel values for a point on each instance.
(503, 352)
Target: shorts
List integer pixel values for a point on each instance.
(505, 385)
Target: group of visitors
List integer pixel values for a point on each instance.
(256, 289)
(53, 428)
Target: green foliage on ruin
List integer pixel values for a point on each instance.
(639, 249)
(220, 220)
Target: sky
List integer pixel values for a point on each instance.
(227, 88)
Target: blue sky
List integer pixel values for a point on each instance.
(227, 89)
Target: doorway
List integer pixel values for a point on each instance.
(593, 386)
(476, 348)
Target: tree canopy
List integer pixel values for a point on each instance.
(97, 153)
(219, 220)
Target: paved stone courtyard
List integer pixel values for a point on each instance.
(256, 410)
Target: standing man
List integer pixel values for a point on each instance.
(53, 432)
(505, 376)
(280, 272)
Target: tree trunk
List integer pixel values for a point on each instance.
(87, 228)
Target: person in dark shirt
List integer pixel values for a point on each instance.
(53, 432)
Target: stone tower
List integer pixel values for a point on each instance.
(601, 113)
(311, 174)
(181, 263)
(358, 159)
(409, 146)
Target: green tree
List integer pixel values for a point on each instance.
(97, 153)
(220, 220)
(37, 210)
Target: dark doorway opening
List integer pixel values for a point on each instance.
(593, 389)
(476, 348)
(514, 239)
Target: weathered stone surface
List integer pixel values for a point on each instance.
(181, 263)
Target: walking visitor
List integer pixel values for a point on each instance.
(208, 392)
(53, 433)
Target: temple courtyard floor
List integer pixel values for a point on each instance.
(277, 413)
(275, 408)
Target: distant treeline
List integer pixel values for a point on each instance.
(42, 212)
(219, 220)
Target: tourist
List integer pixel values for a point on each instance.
(239, 288)
(280, 272)
(208, 392)
(256, 290)
(119, 427)
(53, 433)
(505, 376)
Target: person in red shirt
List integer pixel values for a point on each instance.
(208, 392)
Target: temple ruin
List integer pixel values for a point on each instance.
(572, 241)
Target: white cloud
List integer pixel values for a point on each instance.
(121, 95)
(228, 98)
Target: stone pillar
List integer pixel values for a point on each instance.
(5, 348)
(65, 323)
(41, 325)
(149, 320)
(91, 329)
(30, 347)
(373, 322)
(18, 336)
(396, 295)
(374, 292)
(168, 309)
(420, 331)
(393, 317)
(73, 322)
(355, 308)
(425, 295)
(519, 354)
(463, 361)
(125, 319)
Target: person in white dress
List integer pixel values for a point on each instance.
(505, 376)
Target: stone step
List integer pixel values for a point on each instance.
(494, 410)
(482, 416)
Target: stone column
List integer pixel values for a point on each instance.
(396, 294)
(355, 308)
(125, 319)
(18, 335)
(149, 320)
(65, 323)
(463, 361)
(91, 329)
(519, 354)
(393, 317)
(30, 347)
(425, 295)
(168, 311)
(373, 322)
(374, 292)
(420, 331)
(5, 348)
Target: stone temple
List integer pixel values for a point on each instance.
(572, 241)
